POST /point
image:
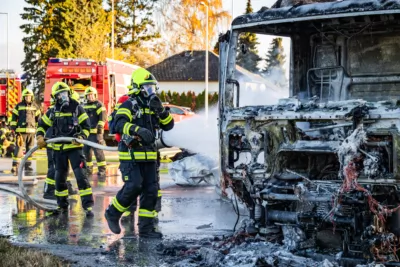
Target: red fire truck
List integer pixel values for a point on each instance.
(110, 78)
(10, 92)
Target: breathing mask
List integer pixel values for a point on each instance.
(148, 90)
(63, 99)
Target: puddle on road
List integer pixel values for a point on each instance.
(183, 210)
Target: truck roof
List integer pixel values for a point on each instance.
(346, 8)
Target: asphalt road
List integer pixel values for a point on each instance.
(187, 214)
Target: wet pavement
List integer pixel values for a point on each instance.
(187, 214)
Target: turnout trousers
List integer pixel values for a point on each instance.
(78, 164)
(157, 207)
(98, 153)
(50, 181)
(140, 178)
(28, 143)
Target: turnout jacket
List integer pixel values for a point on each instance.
(131, 115)
(25, 117)
(97, 115)
(72, 121)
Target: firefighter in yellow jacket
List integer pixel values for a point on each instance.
(98, 115)
(67, 119)
(137, 120)
(25, 117)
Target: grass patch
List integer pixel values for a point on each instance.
(16, 256)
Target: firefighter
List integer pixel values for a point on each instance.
(137, 120)
(129, 215)
(50, 182)
(4, 131)
(98, 115)
(68, 119)
(25, 117)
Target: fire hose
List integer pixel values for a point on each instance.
(50, 205)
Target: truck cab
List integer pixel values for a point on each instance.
(320, 168)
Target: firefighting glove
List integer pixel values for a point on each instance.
(145, 135)
(40, 141)
(74, 142)
(156, 104)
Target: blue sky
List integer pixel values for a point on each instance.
(15, 7)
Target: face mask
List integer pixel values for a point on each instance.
(148, 90)
(28, 99)
(63, 99)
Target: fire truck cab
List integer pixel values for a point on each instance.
(110, 78)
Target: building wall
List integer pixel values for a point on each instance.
(180, 87)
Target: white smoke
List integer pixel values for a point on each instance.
(196, 134)
(200, 135)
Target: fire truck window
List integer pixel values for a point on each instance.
(3, 81)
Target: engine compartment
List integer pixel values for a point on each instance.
(325, 174)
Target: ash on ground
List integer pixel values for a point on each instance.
(238, 250)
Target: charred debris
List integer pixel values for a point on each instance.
(321, 167)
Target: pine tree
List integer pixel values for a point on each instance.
(169, 96)
(49, 33)
(133, 22)
(163, 96)
(183, 99)
(175, 98)
(275, 60)
(90, 35)
(250, 59)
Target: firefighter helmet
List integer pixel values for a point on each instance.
(59, 87)
(75, 96)
(91, 90)
(142, 80)
(27, 92)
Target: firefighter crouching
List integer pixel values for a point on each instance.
(68, 119)
(98, 115)
(137, 152)
(25, 117)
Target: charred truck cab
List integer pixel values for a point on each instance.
(324, 164)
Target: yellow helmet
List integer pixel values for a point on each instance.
(75, 96)
(91, 90)
(142, 80)
(59, 87)
(27, 92)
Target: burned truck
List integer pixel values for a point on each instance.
(323, 165)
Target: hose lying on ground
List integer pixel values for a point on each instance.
(48, 205)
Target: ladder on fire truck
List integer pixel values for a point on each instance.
(12, 90)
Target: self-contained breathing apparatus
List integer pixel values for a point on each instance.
(137, 112)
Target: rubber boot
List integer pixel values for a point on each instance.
(14, 169)
(113, 222)
(28, 167)
(71, 190)
(89, 213)
(49, 192)
(89, 170)
(146, 228)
